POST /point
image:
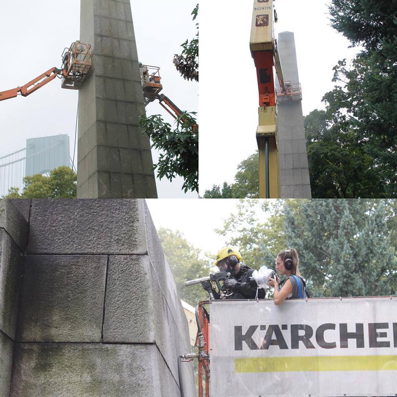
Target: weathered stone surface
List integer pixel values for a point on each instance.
(6, 351)
(91, 370)
(99, 313)
(155, 249)
(170, 328)
(13, 222)
(23, 206)
(10, 274)
(87, 227)
(159, 265)
(111, 103)
(62, 298)
(128, 310)
(294, 169)
(145, 286)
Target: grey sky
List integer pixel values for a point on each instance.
(228, 87)
(33, 35)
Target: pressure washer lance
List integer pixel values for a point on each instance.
(215, 277)
(197, 281)
(189, 357)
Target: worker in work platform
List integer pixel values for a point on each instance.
(293, 286)
(239, 283)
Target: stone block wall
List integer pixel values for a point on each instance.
(98, 310)
(13, 237)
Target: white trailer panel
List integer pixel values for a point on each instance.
(319, 347)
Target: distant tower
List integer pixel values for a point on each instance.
(293, 163)
(114, 155)
(46, 153)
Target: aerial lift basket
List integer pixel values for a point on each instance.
(77, 64)
(151, 82)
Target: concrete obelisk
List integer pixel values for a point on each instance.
(294, 169)
(114, 156)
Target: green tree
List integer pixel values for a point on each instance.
(246, 181)
(339, 165)
(186, 264)
(344, 245)
(219, 192)
(370, 23)
(256, 230)
(361, 107)
(247, 178)
(392, 223)
(364, 103)
(178, 145)
(178, 148)
(60, 183)
(13, 192)
(186, 63)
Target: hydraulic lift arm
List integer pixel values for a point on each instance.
(263, 48)
(32, 85)
(76, 66)
(151, 85)
(169, 106)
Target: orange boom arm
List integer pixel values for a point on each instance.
(77, 64)
(32, 86)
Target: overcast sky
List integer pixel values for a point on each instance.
(33, 35)
(228, 86)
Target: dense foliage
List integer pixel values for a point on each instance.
(178, 145)
(359, 140)
(186, 63)
(256, 229)
(178, 148)
(186, 264)
(246, 182)
(346, 247)
(60, 183)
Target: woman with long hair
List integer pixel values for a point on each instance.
(293, 286)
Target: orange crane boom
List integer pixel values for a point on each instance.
(169, 106)
(77, 63)
(151, 85)
(32, 85)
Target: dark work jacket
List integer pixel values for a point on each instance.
(245, 288)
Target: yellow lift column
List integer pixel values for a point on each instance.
(268, 155)
(263, 49)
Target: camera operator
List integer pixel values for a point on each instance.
(239, 284)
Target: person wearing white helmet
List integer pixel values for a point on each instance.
(240, 283)
(293, 286)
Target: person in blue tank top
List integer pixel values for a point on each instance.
(293, 286)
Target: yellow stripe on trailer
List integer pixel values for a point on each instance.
(316, 364)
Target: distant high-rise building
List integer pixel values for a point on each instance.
(46, 153)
